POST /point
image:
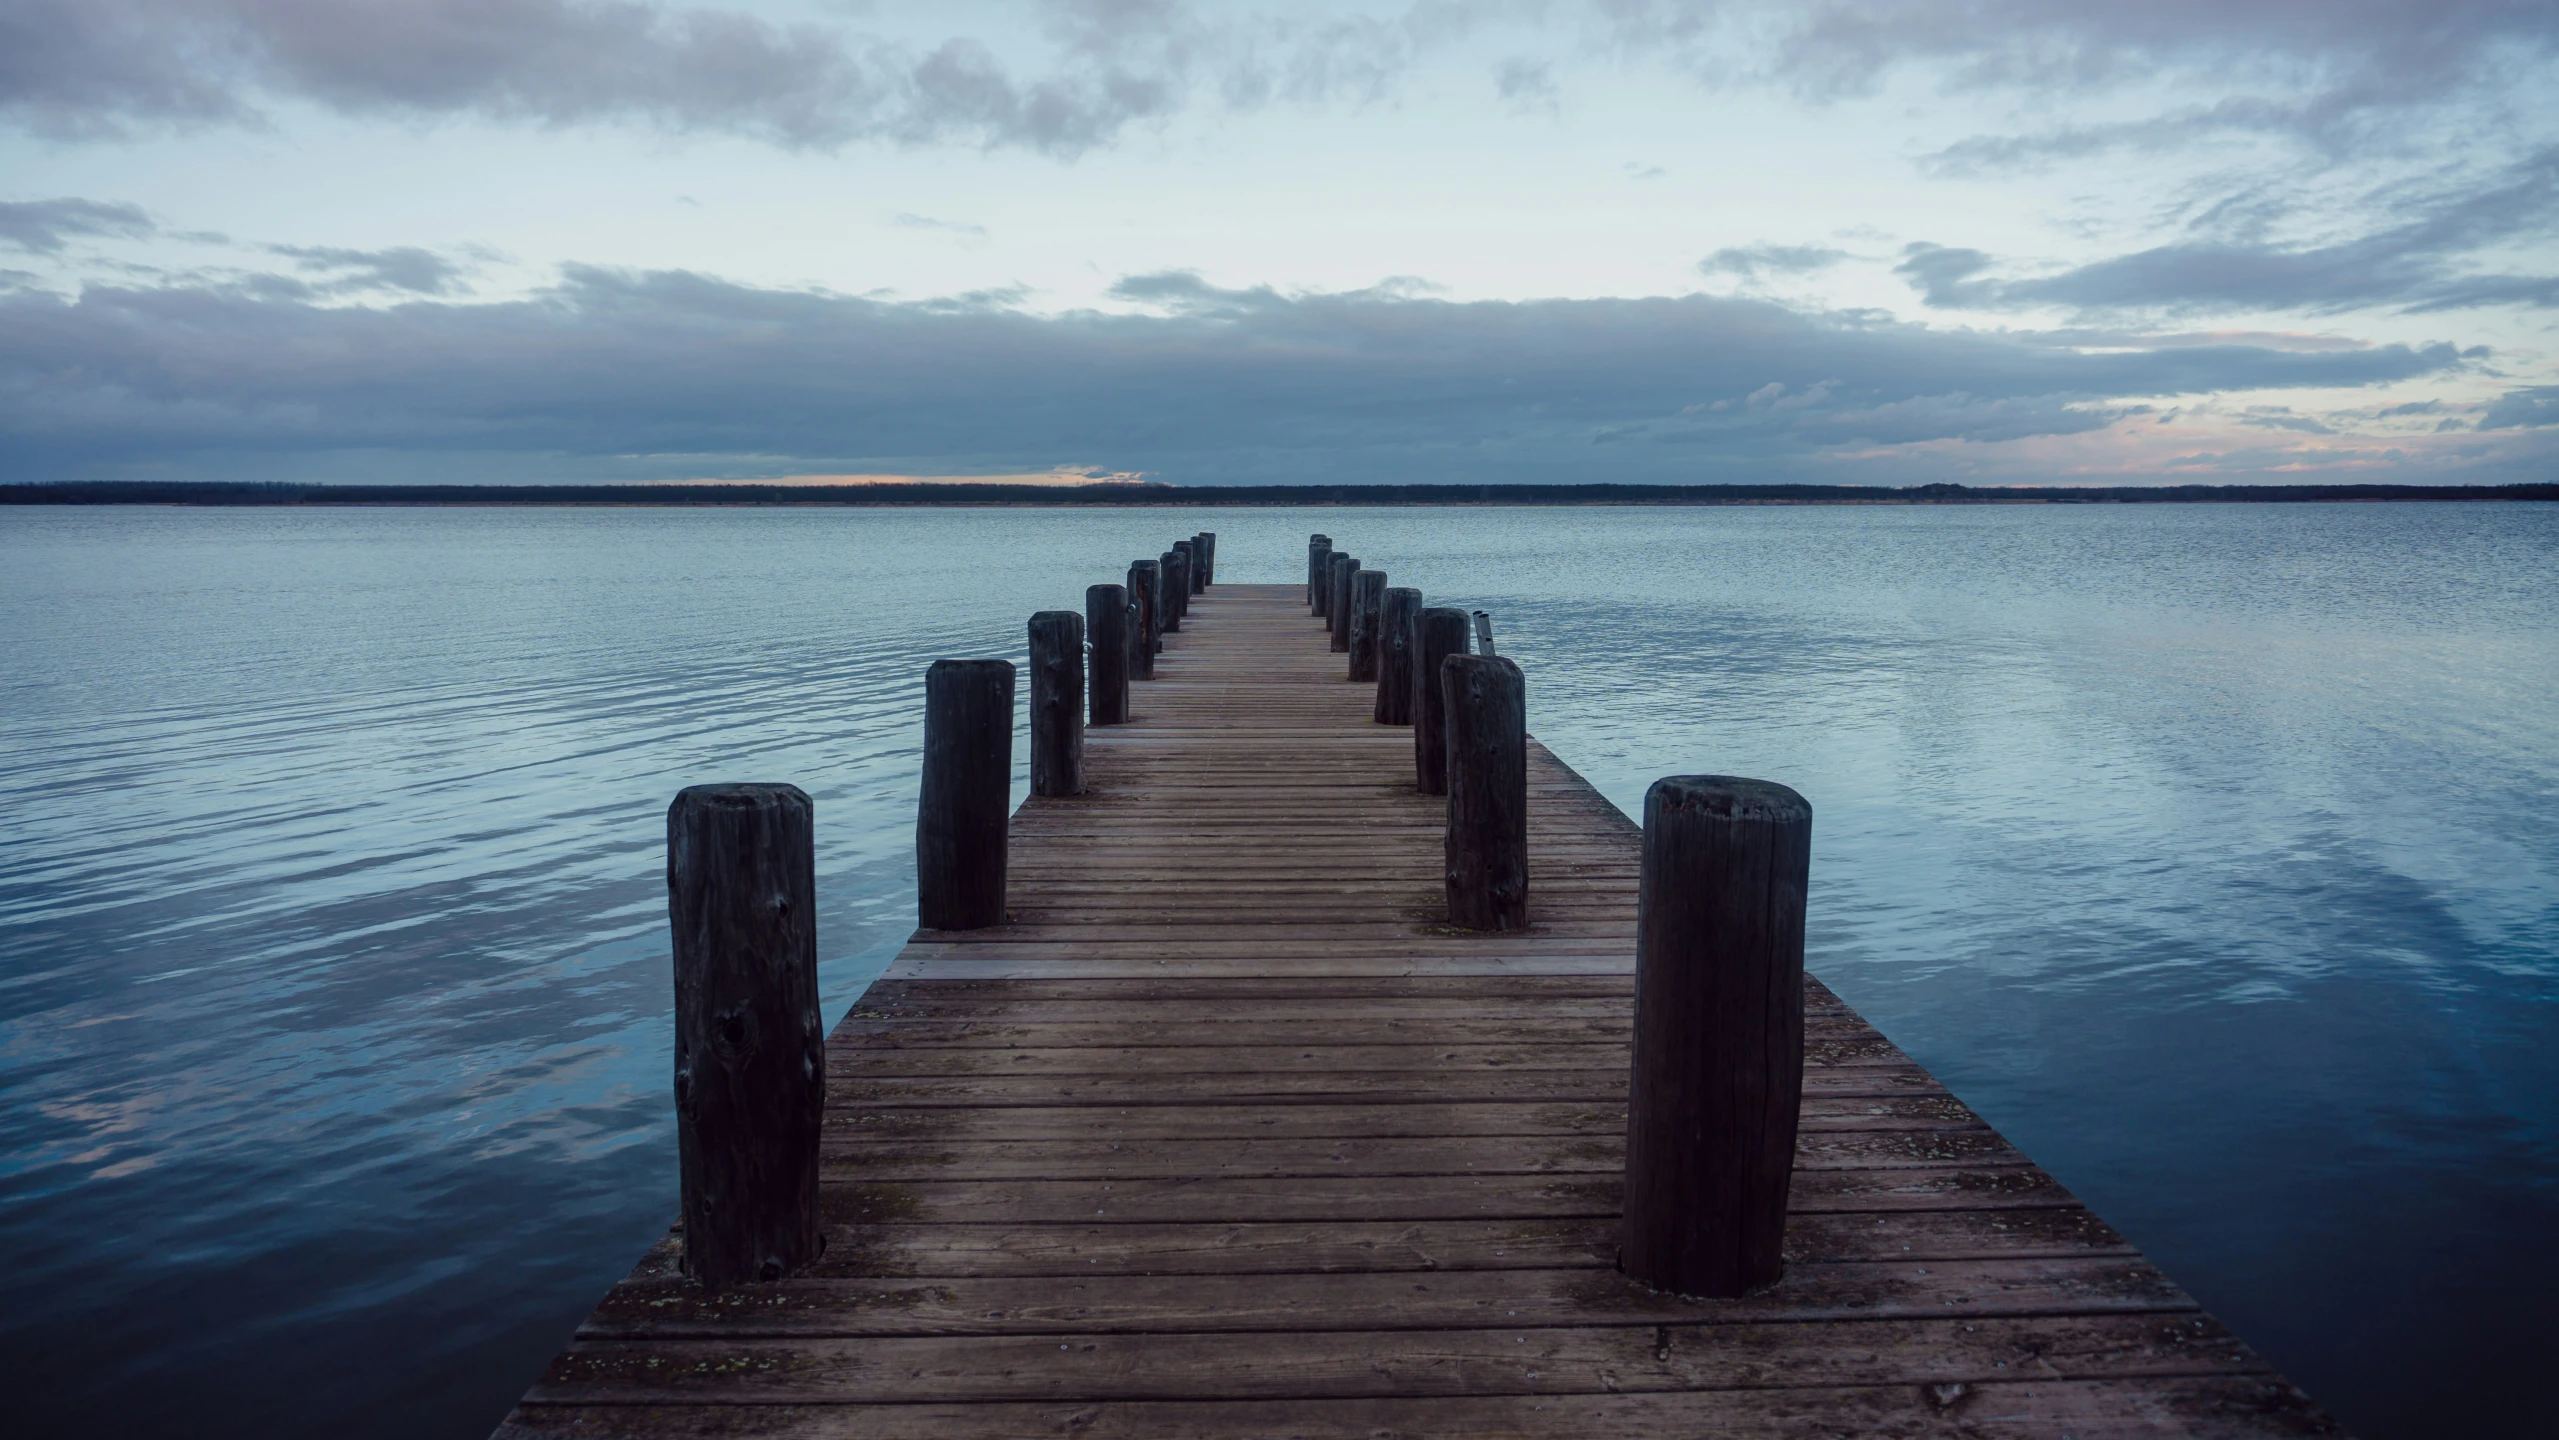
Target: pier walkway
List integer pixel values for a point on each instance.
(1226, 1134)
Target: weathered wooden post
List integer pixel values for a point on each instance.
(1319, 551)
(968, 791)
(1195, 550)
(1719, 1034)
(1175, 568)
(1057, 703)
(750, 1050)
(1143, 587)
(1189, 550)
(1368, 592)
(1337, 607)
(1106, 617)
(1486, 701)
(1395, 613)
(1438, 632)
(1158, 602)
(1142, 622)
(1204, 545)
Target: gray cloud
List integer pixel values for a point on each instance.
(2326, 72)
(1976, 418)
(1526, 84)
(100, 67)
(907, 220)
(1091, 68)
(1749, 261)
(44, 227)
(403, 268)
(91, 66)
(2523, 409)
(2172, 130)
(2472, 292)
(1218, 385)
(1948, 275)
(2172, 339)
(2415, 265)
(2281, 417)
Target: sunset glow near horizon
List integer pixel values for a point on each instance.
(1635, 241)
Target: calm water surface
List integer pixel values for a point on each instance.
(2210, 852)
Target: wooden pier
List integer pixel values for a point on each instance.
(1226, 1133)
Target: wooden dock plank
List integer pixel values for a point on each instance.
(1225, 1133)
(1386, 1363)
(2201, 1407)
(1288, 1302)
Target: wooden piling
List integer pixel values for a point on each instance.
(1368, 589)
(1485, 701)
(1162, 601)
(1337, 608)
(1319, 551)
(1174, 584)
(1145, 588)
(1057, 703)
(1438, 632)
(968, 781)
(1181, 604)
(1395, 612)
(1719, 1034)
(1189, 551)
(1106, 625)
(1204, 545)
(750, 1047)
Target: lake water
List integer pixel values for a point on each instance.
(2210, 852)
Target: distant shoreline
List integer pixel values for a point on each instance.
(1228, 496)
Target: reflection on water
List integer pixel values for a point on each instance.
(2209, 851)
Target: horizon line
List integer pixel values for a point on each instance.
(963, 492)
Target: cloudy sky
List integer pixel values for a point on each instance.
(1647, 240)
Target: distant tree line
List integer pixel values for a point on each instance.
(152, 492)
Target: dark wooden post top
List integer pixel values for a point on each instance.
(1719, 1034)
(1146, 589)
(1368, 592)
(1438, 632)
(750, 1049)
(1337, 608)
(962, 813)
(1173, 582)
(1395, 612)
(1057, 703)
(1106, 627)
(1485, 701)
